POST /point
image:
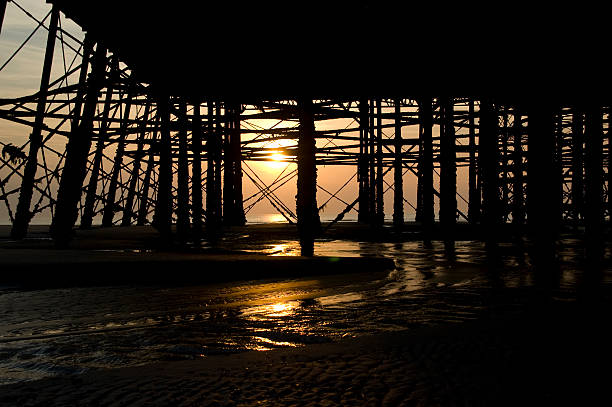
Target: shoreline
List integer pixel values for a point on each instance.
(546, 356)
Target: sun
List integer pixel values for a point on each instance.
(276, 159)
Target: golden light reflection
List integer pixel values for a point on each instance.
(277, 160)
(276, 310)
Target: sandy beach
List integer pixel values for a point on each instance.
(546, 359)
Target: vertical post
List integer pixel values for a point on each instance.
(23, 214)
(77, 150)
(577, 165)
(380, 210)
(363, 163)
(307, 213)
(371, 165)
(182, 198)
(90, 198)
(448, 170)
(558, 167)
(143, 209)
(473, 191)
(504, 165)
(237, 148)
(110, 206)
(228, 169)
(398, 179)
(196, 172)
(162, 220)
(609, 136)
(489, 171)
(128, 212)
(541, 194)
(426, 167)
(218, 134)
(518, 204)
(593, 165)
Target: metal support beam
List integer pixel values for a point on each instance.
(3, 4)
(196, 172)
(363, 170)
(110, 206)
(307, 213)
(182, 193)
(90, 198)
(425, 168)
(162, 220)
(473, 187)
(77, 150)
(489, 171)
(128, 213)
(398, 181)
(593, 166)
(577, 198)
(448, 170)
(541, 191)
(143, 209)
(23, 214)
(518, 202)
(233, 211)
(380, 202)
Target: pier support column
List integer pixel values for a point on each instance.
(473, 187)
(425, 204)
(363, 169)
(593, 165)
(92, 186)
(162, 219)
(489, 171)
(609, 175)
(196, 173)
(128, 212)
(541, 190)
(518, 203)
(577, 165)
(23, 214)
(213, 173)
(398, 179)
(448, 171)
(380, 209)
(307, 213)
(110, 206)
(143, 209)
(233, 211)
(77, 150)
(182, 197)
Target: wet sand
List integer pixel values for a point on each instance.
(557, 354)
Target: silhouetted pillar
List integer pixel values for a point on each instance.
(372, 164)
(489, 171)
(448, 170)
(162, 220)
(558, 167)
(609, 136)
(110, 206)
(504, 165)
(23, 214)
(90, 197)
(593, 166)
(473, 189)
(143, 209)
(77, 150)
(426, 167)
(182, 197)
(218, 134)
(128, 212)
(398, 179)
(196, 172)
(233, 212)
(307, 213)
(541, 192)
(363, 162)
(518, 204)
(380, 210)
(577, 165)
(213, 172)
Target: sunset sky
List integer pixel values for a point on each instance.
(22, 77)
